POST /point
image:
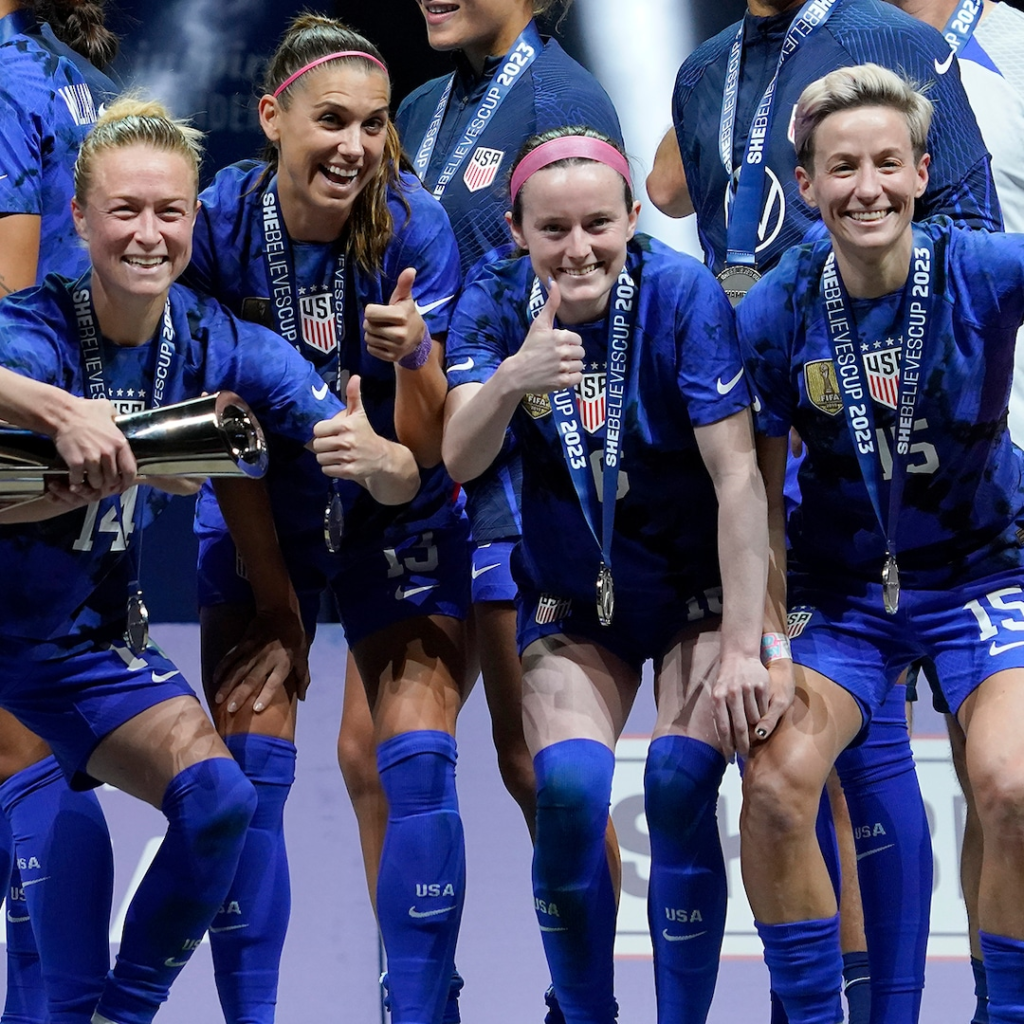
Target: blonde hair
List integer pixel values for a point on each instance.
(307, 38)
(129, 121)
(866, 85)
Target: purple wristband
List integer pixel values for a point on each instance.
(419, 356)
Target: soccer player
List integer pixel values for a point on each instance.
(350, 259)
(643, 537)
(889, 348)
(76, 666)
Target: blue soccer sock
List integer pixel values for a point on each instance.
(980, 992)
(451, 1013)
(571, 882)
(857, 987)
(67, 876)
(687, 895)
(1004, 972)
(894, 859)
(247, 935)
(208, 808)
(825, 830)
(806, 968)
(422, 879)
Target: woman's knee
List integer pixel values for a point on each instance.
(780, 797)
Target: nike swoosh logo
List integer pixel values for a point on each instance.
(33, 881)
(487, 568)
(545, 928)
(467, 365)
(319, 393)
(1000, 648)
(681, 938)
(2, 176)
(423, 310)
(757, 404)
(724, 389)
(944, 66)
(877, 849)
(228, 928)
(171, 962)
(162, 677)
(413, 912)
(16, 920)
(401, 595)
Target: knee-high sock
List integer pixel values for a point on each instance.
(806, 968)
(208, 808)
(894, 859)
(67, 875)
(26, 994)
(980, 992)
(1004, 970)
(687, 895)
(857, 987)
(247, 935)
(422, 880)
(571, 882)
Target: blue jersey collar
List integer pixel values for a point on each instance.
(17, 23)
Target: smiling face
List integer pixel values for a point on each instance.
(480, 27)
(865, 181)
(575, 226)
(137, 220)
(330, 140)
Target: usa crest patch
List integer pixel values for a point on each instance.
(591, 395)
(483, 168)
(318, 322)
(882, 366)
(797, 620)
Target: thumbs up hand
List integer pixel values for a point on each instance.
(347, 447)
(395, 330)
(550, 358)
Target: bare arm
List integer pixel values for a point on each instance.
(19, 251)
(740, 693)
(666, 184)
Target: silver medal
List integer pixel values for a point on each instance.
(605, 596)
(334, 523)
(737, 280)
(891, 585)
(136, 634)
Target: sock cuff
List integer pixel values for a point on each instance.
(29, 780)
(266, 759)
(577, 752)
(698, 759)
(408, 744)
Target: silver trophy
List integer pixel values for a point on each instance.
(215, 435)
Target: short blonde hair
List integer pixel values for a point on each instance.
(129, 121)
(865, 85)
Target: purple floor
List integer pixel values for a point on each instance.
(331, 957)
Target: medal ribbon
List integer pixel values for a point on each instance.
(745, 209)
(622, 316)
(914, 316)
(962, 23)
(524, 51)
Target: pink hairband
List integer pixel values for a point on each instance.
(563, 149)
(322, 60)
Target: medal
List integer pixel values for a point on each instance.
(891, 585)
(136, 634)
(334, 522)
(736, 280)
(605, 588)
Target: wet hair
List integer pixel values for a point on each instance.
(560, 133)
(308, 38)
(79, 24)
(866, 85)
(133, 121)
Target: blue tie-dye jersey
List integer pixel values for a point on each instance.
(858, 31)
(961, 497)
(228, 263)
(686, 371)
(67, 578)
(48, 101)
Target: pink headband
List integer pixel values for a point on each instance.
(322, 60)
(562, 149)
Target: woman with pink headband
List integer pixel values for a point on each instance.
(615, 360)
(347, 257)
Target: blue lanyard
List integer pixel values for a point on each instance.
(17, 23)
(525, 50)
(745, 214)
(962, 23)
(280, 264)
(622, 315)
(914, 318)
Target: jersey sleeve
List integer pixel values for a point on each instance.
(24, 99)
(987, 272)
(32, 340)
(284, 390)
(478, 339)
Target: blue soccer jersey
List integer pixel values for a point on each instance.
(228, 262)
(48, 100)
(858, 31)
(73, 571)
(961, 491)
(687, 372)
